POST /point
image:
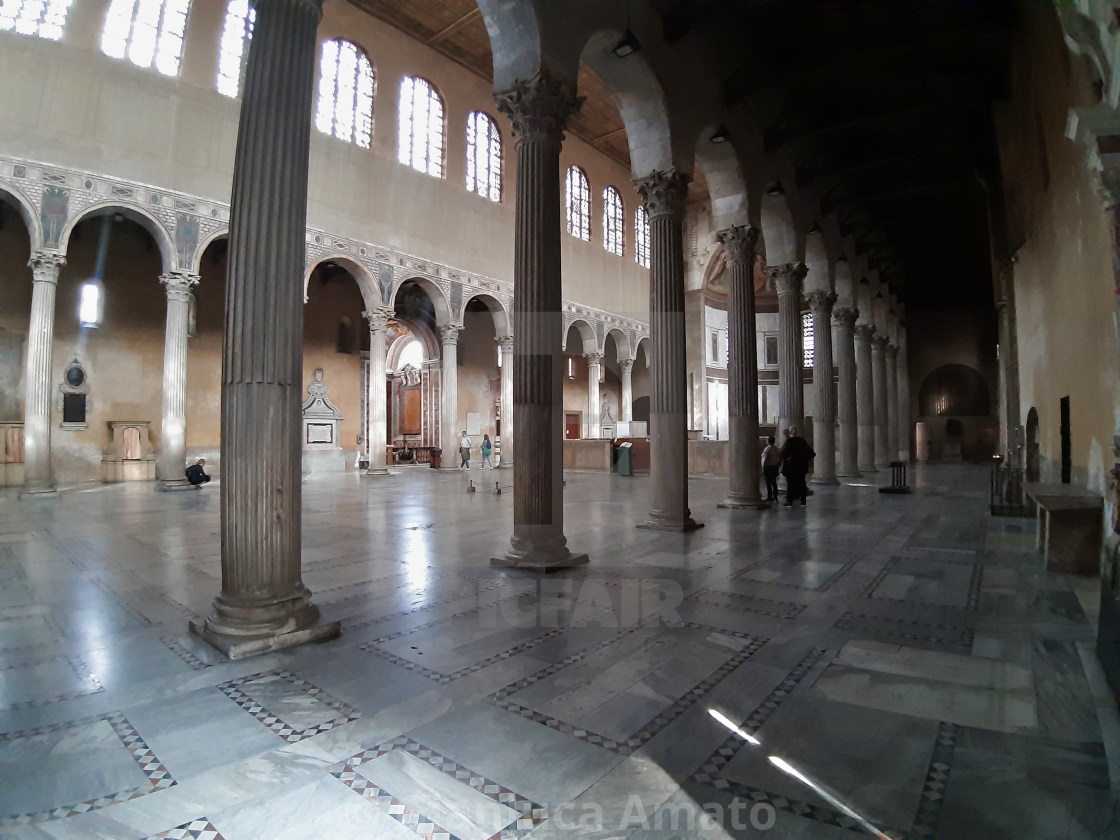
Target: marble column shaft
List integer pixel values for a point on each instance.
(892, 402)
(824, 419)
(663, 194)
(904, 425)
(848, 450)
(791, 395)
(451, 428)
(378, 320)
(742, 370)
(539, 108)
(506, 343)
(39, 478)
(173, 433)
(264, 603)
(594, 371)
(879, 379)
(626, 401)
(865, 398)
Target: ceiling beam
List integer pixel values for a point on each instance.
(454, 26)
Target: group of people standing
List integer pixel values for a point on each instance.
(791, 459)
(486, 448)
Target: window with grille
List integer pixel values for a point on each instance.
(41, 18)
(641, 237)
(420, 133)
(234, 47)
(578, 204)
(346, 81)
(149, 33)
(484, 156)
(807, 339)
(612, 221)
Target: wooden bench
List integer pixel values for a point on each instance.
(1070, 526)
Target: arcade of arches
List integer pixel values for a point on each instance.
(311, 245)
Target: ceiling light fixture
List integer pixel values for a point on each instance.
(721, 135)
(627, 46)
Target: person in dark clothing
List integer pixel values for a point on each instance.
(796, 455)
(196, 473)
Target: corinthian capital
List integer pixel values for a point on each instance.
(787, 278)
(821, 302)
(178, 284)
(738, 244)
(449, 333)
(539, 106)
(844, 316)
(663, 193)
(865, 332)
(378, 319)
(45, 266)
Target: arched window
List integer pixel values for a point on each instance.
(44, 18)
(484, 156)
(146, 32)
(579, 204)
(641, 237)
(612, 221)
(345, 93)
(420, 138)
(236, 34)
(411, 356)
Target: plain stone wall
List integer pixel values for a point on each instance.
(709, 457)
(587, 455)
(1064, 268)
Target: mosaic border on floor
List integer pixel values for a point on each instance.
(962, 638)
(784, 609)
(972, 600)
(185, 653)
(530, 814)
(271, 721)
(76, 663)
(443, 679)
(824, 587)
(157, 775)
(644, 733)
(199, 829)
(928, 816)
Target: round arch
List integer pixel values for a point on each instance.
(515, 39)
(586, 334)
(497, 310)
(820, 276)
(210, 239)
(439, 300)
(27, 212)
(362, 276)
(778, 229)
(645, 345)
(162, 237)
(621, 343)
(416, 332)
(727, 188)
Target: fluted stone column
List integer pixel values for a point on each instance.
(742, 371)
(539, 108)
(506, 343)
(845, 320)
(451, 429)
(791, 395)
(173, 431)
(594, 371)
(378, 320)
(38, 476)
(865, 398)
(626, 408)
(892, 402)
(264, 604)
(663, 194)
(879, 378)
(904, 426)
(824, 421)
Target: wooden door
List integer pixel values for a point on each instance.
(572, 423)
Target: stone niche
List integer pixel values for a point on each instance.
(322, 450)
(129, 455)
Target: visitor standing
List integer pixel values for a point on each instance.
(486, 453)
(796, 455)
(771, 463)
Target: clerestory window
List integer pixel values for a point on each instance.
(236, 34)
(641, 237)
(484, 156)
(613, 233)
(578, 204)
(149, 33)
(41, 18)
(420, 135)
(346, 81)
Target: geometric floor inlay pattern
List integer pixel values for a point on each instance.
(200, 829)
(232, 689)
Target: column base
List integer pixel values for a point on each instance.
(867, 470)
(743, 503)
(678, 526)
(43, 491)
(544, 560)
(849, 475)
(377, 471)
(240, 647)
(177, 484)
(823, 481)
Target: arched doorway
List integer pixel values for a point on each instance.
(15, 314)
(413, 373)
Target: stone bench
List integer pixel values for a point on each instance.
(1070, 526)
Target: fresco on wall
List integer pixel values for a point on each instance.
(11, 369)
(186, 240)
(56, 207)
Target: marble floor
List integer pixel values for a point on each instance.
(869, 665)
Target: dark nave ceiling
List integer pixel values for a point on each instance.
(883, 106)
